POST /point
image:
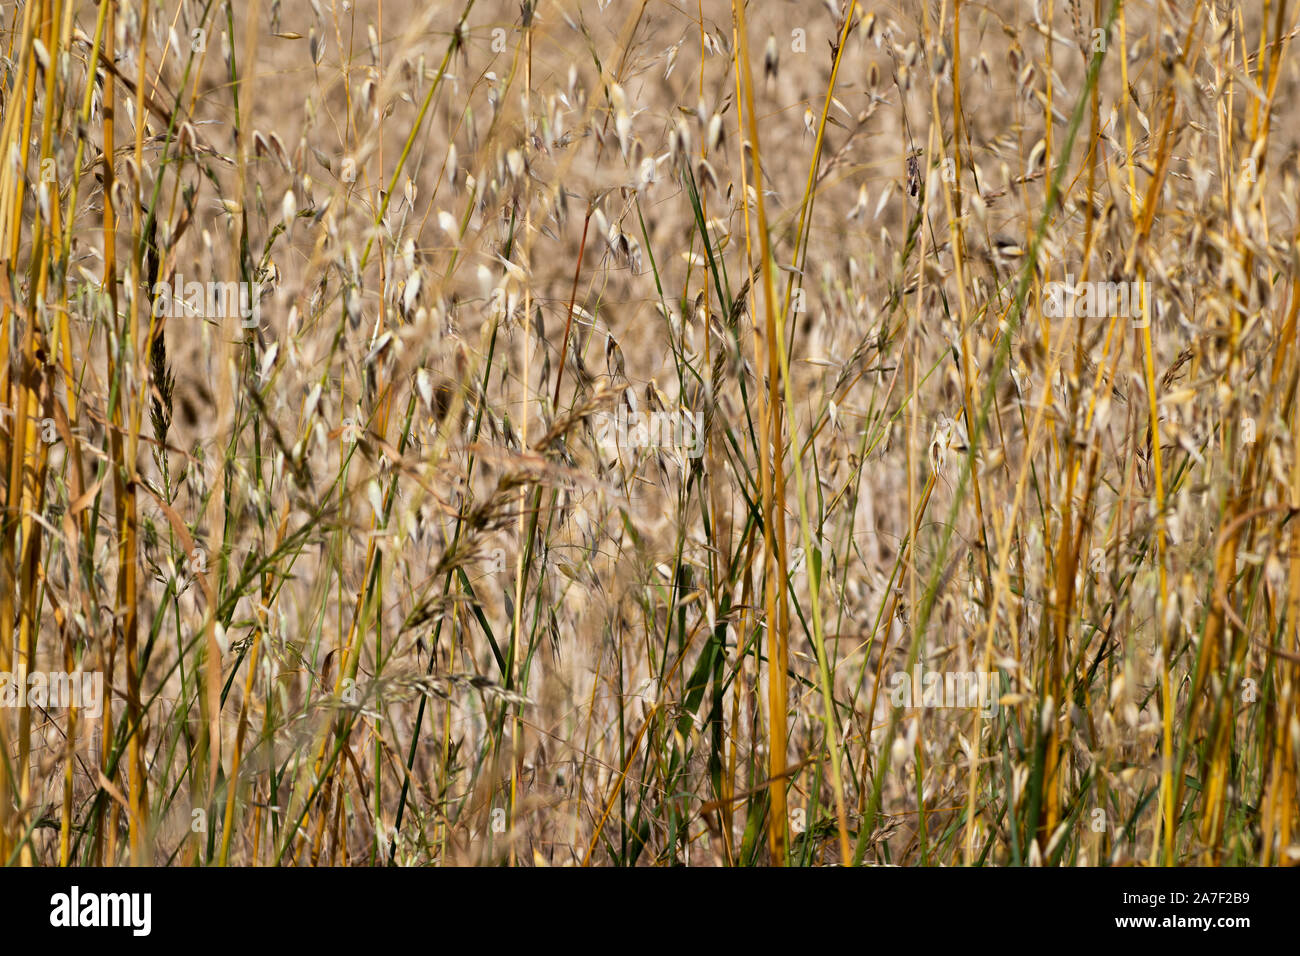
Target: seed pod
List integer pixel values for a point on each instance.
(716, 138)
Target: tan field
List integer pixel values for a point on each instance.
(606, 432)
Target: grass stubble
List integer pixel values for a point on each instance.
(367, 587)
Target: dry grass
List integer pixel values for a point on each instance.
(368, 584)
